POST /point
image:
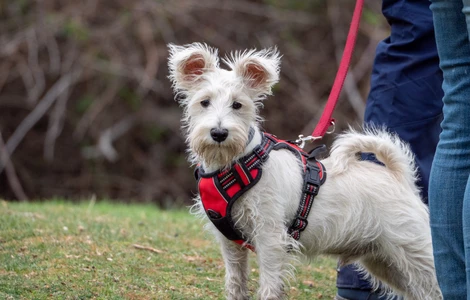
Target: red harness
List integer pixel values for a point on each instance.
(220, 189)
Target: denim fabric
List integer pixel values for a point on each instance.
(406, 94)
(449, 192)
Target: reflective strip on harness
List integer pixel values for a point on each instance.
(219, 190)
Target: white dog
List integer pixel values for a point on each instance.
(364, 212)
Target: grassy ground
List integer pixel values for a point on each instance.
(59, 250)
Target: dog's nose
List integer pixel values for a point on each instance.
(219, 134)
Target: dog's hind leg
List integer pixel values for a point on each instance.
(236, 269)
(409, 272)
(386, 272)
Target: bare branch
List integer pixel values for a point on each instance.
(364, 65)
(39, 80)
(27, 76)
(54, 92)
(11, 47)
(205, 32)
(105, 99)
(105, 142)
(11, 173)
(135, 73)
(303, 94)
(54, 54)
(4, 73)
(168, 34)
(144, 30)
(56, 123)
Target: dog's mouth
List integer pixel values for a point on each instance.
(219, 154)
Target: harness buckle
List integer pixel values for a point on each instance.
(299, 225)
(303, 219)
(313, 192)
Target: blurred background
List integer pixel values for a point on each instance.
(86, 109)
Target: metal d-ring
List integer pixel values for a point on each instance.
(332, 126)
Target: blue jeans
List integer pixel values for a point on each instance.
(449, 192)
(406, 96)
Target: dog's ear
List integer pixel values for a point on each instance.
(259, 69)
(189, 63)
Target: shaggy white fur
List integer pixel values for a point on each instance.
(364, 213)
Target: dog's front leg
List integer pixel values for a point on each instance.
(236, 269)
(273, 261)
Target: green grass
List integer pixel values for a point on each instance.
(60, 250)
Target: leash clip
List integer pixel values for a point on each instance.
(303, 139)
(300, 142)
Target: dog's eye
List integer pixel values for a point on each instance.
(236, 105)
(205, 103)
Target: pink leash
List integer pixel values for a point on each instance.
(326, 119)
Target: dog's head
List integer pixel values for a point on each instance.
(221, 105)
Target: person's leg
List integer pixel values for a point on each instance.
(466, 199)
(451, 165)
(406, 94)
(406, 97)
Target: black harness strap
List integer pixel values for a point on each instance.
(314, 177)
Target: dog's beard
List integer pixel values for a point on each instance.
(219, 155)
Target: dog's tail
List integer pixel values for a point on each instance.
(395, 154)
